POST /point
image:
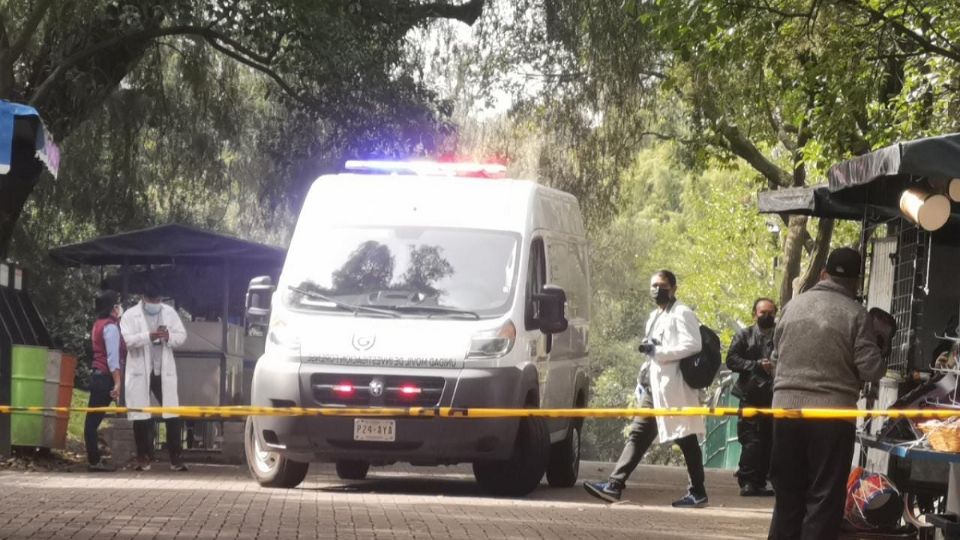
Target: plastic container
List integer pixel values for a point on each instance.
(28, 381)
(68, 369)
(51, 389)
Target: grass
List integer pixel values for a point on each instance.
(75, 427)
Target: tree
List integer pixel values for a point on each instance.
(787, 86)
(329, 59)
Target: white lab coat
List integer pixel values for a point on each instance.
(136, 382)
(678, 332)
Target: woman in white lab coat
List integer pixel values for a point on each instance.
(151, 329)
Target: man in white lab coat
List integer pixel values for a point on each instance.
(672, 334)
(151, 329)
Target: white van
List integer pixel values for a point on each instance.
(417, 284)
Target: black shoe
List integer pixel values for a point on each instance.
(100, 466)
(608, 491)
(752, 490)
(690, 501)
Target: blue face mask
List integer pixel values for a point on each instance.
(152, 309)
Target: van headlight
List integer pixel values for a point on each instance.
(493, 343)
(280, 337)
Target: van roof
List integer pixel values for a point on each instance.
(481, 203)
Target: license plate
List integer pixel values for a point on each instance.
(374, 430)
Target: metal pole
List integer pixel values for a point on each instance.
(223, 331)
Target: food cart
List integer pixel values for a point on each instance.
(205, 275)
(906, 198)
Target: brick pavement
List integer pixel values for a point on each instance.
(394, 503)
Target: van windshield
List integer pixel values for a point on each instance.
(412, 271)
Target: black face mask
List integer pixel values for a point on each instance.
(660, 296)
(766, 322)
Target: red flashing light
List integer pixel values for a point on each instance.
(343, 389)
(409, 390)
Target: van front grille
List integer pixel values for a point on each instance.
(334, 390)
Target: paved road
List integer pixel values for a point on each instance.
(394, 503)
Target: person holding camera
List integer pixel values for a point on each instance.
(749, 357)
(151, 330)
(672, 334)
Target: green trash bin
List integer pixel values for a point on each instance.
(28, 382)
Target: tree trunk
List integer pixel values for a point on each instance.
(792, 256)
(15, 187)
(818, 257)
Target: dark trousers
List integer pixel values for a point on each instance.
(755, 436)
(143, 430)
(809, 469)
(100, 386)
(643, 431)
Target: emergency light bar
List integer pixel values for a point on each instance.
(427, 168)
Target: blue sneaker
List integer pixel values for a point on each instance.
(608, 491)
(690, 501)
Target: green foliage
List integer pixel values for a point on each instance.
(720, 248)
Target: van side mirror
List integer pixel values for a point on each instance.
(552, 301)
(259, 294)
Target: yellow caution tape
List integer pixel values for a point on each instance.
(460, 412)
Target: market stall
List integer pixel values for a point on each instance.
(205, 275)
(906, 198)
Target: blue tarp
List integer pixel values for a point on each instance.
(47, 151)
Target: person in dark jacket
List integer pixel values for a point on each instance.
(108, 355)
(825, 348)
(749, 356)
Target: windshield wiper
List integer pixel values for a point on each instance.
(432, 310)
(343, 305)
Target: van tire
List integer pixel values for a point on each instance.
(349, 469)
(270, 469)
(521, 472)
(564, 466)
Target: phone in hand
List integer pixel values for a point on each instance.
(162, 329)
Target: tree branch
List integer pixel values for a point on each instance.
(665, 137)
(900, 28)
(29, 28)
(468, 12)
(212, 37)
(744, 147)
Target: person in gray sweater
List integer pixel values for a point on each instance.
(825, 348)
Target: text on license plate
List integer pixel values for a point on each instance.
(365, 429)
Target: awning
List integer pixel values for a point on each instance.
(166, 244)
(195, 266)
(933, 158)
(19, 121)
(808, 201)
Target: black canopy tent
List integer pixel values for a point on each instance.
(869, 186)
(206, 272)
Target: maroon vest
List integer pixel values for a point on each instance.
(100, 345)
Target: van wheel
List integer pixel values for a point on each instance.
(564, 466)
(349, 469)
(521, 473)
(270, 469)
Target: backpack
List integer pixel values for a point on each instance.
(700, 369)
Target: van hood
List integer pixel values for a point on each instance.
(378, 342)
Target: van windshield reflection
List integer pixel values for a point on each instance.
(411, 271)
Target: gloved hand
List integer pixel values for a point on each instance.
(647, 347)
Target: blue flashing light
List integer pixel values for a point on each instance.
(427, 168)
